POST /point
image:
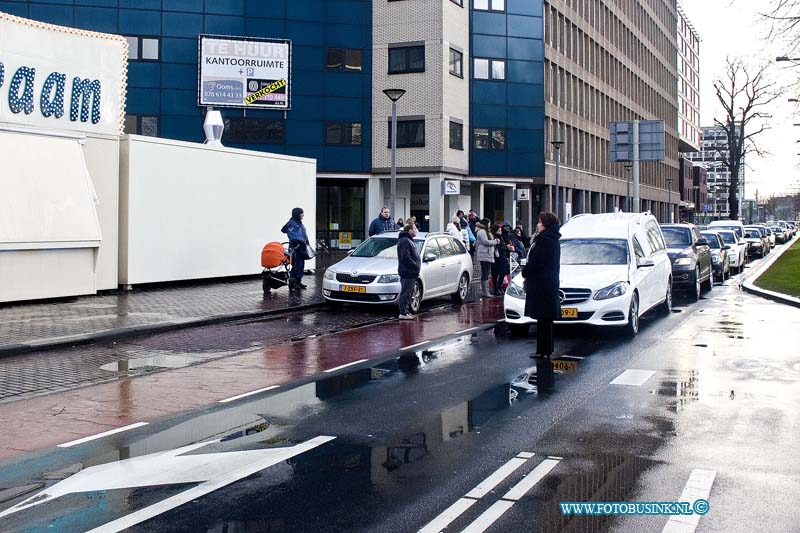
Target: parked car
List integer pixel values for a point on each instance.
(614, 268)
(738, 227)
(737, 253)
(720, 256)
(765, 243)
(756, 244)
(369, 273)
(691, 258)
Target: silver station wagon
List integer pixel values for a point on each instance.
(369, 274)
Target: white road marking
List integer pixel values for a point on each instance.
(486, 486)
(470, 330)
(210, 486)
(334, 369)
(572, 357)
(101, 435)
(446, 518)
(488, 517)
(246, 394)
(528, 482)
(634, 378)
(697, 488)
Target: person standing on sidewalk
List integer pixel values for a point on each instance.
(541, 275)
(484, 253)
(408, 267)
(382, 223)
(298, 241)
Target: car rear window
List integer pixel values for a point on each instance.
(677, 236)
(594, 252)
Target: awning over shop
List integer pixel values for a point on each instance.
(47, 199)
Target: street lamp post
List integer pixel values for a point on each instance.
(557, 145)
(696, 198)
(394, 95)
(669, 200)
(628, 167)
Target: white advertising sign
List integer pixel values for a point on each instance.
(55, 77)
(249, 73)
(451, 187)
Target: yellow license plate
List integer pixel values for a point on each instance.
(353, 288)
(569, 312)
(565, 366)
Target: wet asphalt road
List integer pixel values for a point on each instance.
(415, 435)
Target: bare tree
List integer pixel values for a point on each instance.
(783, 22)
(744, 97)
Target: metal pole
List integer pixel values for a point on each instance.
(635, 124)
(393, 196)
(558, 164)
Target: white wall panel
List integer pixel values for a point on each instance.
(191, 211)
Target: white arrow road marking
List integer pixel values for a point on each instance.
(171, 467)
(634, 378)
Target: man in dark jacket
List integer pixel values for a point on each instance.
(298, 240)
(382, 223)
(408, 266)
(541, 275)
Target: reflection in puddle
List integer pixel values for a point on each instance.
(144, 363)
(686, 390)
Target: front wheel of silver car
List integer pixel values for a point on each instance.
(416, 298)
(633, 317)
(463, 289)
(666, 306)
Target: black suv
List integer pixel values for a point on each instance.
(690, 256)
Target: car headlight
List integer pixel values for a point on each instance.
(683, 261)
(612, 291)
(515, 291)
(389, 278)
(755, 244)
(715, 259)
(330, 274)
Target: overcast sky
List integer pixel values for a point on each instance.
(731, 27)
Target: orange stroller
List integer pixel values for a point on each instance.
(276, 258)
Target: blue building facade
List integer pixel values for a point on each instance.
(510, 99)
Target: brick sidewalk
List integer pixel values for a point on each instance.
(31, 326)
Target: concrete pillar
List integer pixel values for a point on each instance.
(476, 195)
(436, 211)
(375, 200)
(509, 205)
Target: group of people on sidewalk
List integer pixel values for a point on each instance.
(494, 246)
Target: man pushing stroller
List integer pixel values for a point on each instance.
(299, 246)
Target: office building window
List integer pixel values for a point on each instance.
(456, 136)
(239, 130)
(143, 48)
(410, 133)
(343, 133)
(490, 69)
(406, 59)
(347, 59)
(142, 125)
(490, 138)
(489, 5)
(456, 63)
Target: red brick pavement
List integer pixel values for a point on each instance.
(92, 410)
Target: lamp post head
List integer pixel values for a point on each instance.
(557, 144)
(394, 94)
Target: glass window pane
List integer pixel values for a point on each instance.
(333, 133)
(355, 133)
(498, 139)
(416, 58)
(498, 5)
(353, 60)
(133, 47)
(456, 136)
(397, 59)
(480, 4)
(335, 58)
(150, 49)
(456, 62)
(481, 139)
(130, 124)
(150, 126)
(275, 132)
(498, 70)
(481, 69)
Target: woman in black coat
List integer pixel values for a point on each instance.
(541, 275)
